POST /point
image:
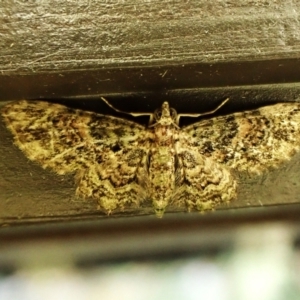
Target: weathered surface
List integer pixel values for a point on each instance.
(69, 48)
(54, 36)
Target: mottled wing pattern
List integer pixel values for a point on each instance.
(121, 163)
(69, 140)
(249, 141)
(202, 183)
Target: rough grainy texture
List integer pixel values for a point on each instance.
(40, 35)
(79, 48)
(121, 163)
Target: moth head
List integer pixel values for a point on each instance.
(166, 115)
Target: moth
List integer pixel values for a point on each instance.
(121, 163)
